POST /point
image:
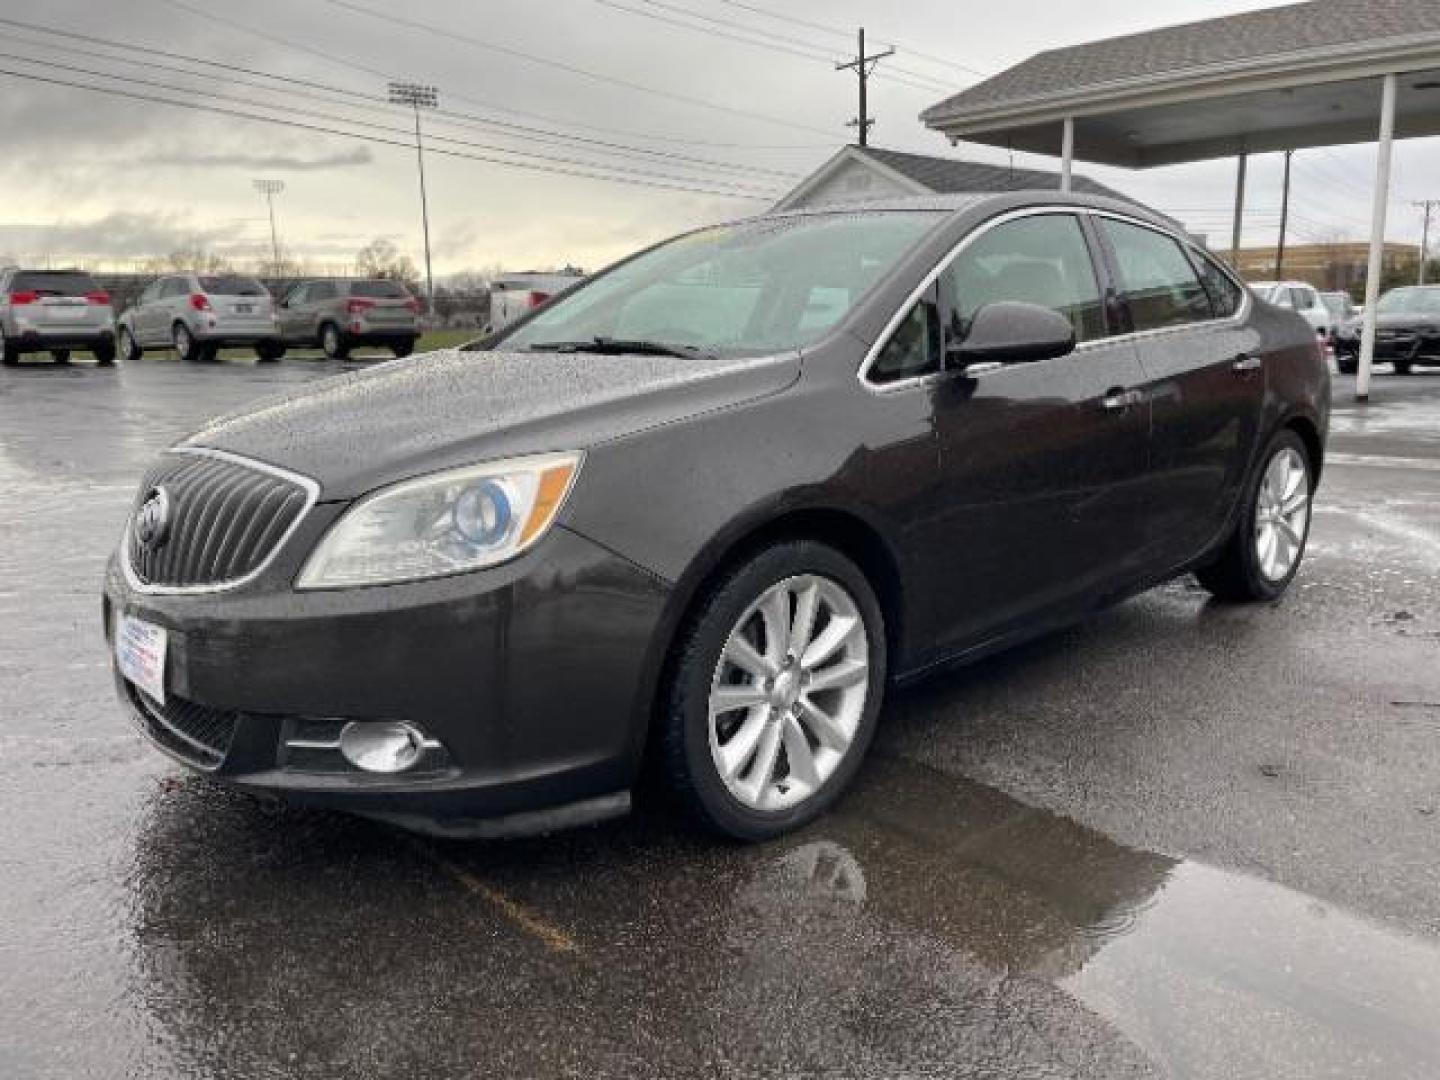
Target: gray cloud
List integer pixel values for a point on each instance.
(277, 162)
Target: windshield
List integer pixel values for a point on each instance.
(1413, 301)
(1338, 306)
(761, 286)
(230, 285)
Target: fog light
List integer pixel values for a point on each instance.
(381, 746)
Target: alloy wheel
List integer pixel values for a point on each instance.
(789, 692)
(1282, 514)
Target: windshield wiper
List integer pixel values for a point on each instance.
(609, 346)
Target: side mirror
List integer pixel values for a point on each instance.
(1009, 332)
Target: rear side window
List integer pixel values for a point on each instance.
(322, 290)
(54, 282)
(379, 290)
(1038, 260)
(231, 285)
(1224, 294)
(1156, 279)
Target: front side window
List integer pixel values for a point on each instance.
(1157, 282)
(762, 286)
(1042, 260)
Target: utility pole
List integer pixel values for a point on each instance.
(863, 66)
(271, 188)
(1284, 220)
(419, 96)
(1427, 205)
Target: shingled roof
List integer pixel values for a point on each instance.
(949, 176)
(1296, 31)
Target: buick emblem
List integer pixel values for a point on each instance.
(152, 520)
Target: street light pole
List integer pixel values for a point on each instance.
(419, 96)
(271, 188)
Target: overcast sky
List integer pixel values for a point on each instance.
(98, 177)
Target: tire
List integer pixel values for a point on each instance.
(1241, 574)
(404, 348)
(267, 352)
(60, 356)
(780, 798)
(1347, 365)
(104, 353)
(1403, 367)
(333, 343)
(186, 347)
(130, 351)
(9, 354)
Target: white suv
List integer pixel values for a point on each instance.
(198, 314)
(1298, 296)
(54, 311)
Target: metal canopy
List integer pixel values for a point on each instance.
(1322, 73)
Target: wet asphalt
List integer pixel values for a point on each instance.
(1182, 840)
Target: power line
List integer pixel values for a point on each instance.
(450, 34)
(627, 179)
(331, 118)
(349, 63)
(831, 29)
(512, 130)
(915, 79)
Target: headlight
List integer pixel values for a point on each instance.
(447, 523)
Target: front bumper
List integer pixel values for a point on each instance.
(1407, 345)
(531, 675)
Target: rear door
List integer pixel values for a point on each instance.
(1204, 377)
(1040, 462)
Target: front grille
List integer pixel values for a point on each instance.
(225, 519)
(194, 733)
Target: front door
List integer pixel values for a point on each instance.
(1041, 462)
(1205, 379)
(294, 327)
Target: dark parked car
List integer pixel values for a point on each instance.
(340, 314)
(708, 506)
(1407, 328)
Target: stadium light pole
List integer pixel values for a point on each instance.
(418, 96)
(271, 188)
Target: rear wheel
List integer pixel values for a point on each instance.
(60, 356)
(1403, 367)
(1263, 554)
(9, 354)
(1347, 365)
(333, 342)
(104, 353)
(267, 352)
(775, 692)
(130, 351)
(186, 347)
(404, 348)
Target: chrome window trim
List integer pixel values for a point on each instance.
(312, 496)
(862, 373)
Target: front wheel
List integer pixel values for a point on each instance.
(775, 692)
(1403, 367)
(186, 347)
(130, 350)
(1347, 365)
(104, 353)
(60, 356)
(1263, 554)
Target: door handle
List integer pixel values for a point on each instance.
(1245, 363)
(1120, 400)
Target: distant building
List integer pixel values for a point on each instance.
(1330, 267)
(857, 173)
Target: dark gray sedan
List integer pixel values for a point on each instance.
(704, 508)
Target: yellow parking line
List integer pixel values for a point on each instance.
(553, 938)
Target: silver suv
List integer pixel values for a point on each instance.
(339, 314)
(198, 314)
(54, 311)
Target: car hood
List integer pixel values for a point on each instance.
(357, 432)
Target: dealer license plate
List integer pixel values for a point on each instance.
(140, 654)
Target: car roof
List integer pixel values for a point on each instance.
(969, 202)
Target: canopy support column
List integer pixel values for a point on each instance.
(1067, 153)
(1240, 165)
(1377, 237)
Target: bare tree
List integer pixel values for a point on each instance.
(382, 259)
